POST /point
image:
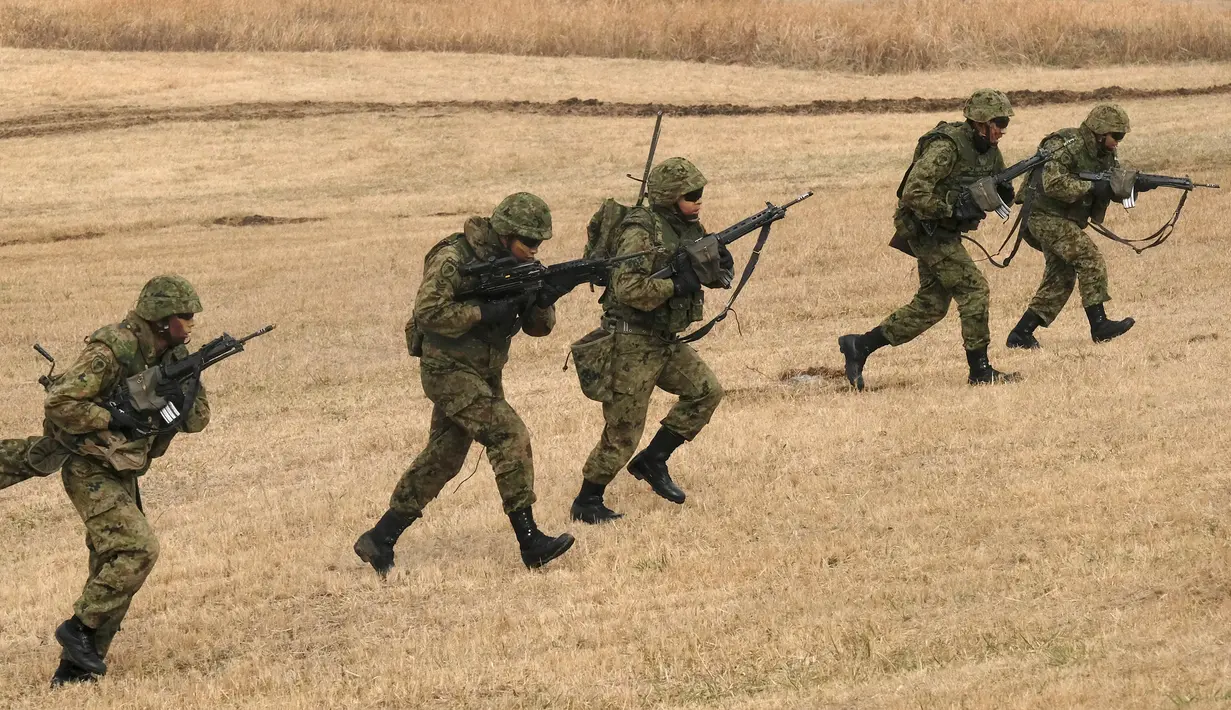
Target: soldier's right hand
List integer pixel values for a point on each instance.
(684, 281)
(125, 423)
(965, 209)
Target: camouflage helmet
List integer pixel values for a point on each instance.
(672, 179)
(986, 104)
(1107, 118)
(166, 295)
(523, 215)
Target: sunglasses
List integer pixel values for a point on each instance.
(1118, 136)
(694, 195)
(184, 316)
(530, 243)
(1001, 122)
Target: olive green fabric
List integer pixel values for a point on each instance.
(122, 544)
(524, 215)
(635, 298)
(944, 164)
(165, 296)
(1107, 118)
(639, 363)
(672, 179)
(946, 273)
(460, 369)
(986, 104)
(1060, 192)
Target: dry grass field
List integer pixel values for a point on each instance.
(881, 36)
(1057, 543)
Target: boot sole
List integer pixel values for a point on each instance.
(85, 664)
(362, 552)
(595, 519)
(566, 542)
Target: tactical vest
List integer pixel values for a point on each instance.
(971, 165)
(485, 346)
(1083, 161)
(674, 315)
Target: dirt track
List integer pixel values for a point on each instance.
(100, 119)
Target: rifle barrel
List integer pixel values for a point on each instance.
(262, 331)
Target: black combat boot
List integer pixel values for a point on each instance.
(1022, 335)
(1101, 329)
(376, 545)
(650, 465)
(982, 372)
(69, 673)
(78, 642)
(856, 349)
(588, 506)
(537, 549)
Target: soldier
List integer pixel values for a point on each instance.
(463, 346)
(644, 316)
(934, 210)
(106, 451)
(1057, 206)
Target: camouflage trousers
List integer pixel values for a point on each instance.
(946, 273)
(466, 408)
(123, 548)
(639, 364)
(14, 465)
(1070, 256)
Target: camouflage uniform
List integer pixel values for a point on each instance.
(100, 475)
(461, 369)
(934, 210)
(945, 162)
(1058, 206)
(644, 317)
(463, 346)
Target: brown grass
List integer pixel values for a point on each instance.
(1059, 543)
(845, 35)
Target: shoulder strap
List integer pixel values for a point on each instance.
(743, 279)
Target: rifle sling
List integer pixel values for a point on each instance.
(743, 279)
(1159, 236)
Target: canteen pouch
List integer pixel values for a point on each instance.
(592, 357)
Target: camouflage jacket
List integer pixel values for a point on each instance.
(944, 164)
(1063, 193)
(452, 334)
(635, 298)
(73, 412)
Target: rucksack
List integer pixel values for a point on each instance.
(603, 229)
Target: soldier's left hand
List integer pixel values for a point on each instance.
(726, 262)
(548, 295)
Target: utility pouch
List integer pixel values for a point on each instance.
(592, 357)
(47, 456)
(414, 338)
(1123, 179)
(705, 261)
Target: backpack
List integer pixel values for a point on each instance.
(603, 228)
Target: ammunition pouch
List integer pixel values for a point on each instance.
(1123, 181)
(592, 356)
(986, 195)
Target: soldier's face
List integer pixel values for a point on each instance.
(993, 129)
(689, 208)
(179, 329)
(524, 250)
(1110, 141)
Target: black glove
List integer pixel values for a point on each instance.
(1006, 192)
(726, 262)
(1101, 191)
(171, 391)
(126, 424)
(493, 312)
(965, 209)
(684, 281)
(548, 295)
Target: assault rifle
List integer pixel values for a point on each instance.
(1143, 182)
(505, 278)
(147, 393)
(708, 245)
(986, 193)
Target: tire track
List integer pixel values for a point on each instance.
(88, 120)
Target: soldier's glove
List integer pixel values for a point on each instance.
(494, 312)
(726, 262)
(126, 424)
(684, 281)
(171, 391)
(548, 295)
(965, 209)
(1006, 192)
(1101, 191)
